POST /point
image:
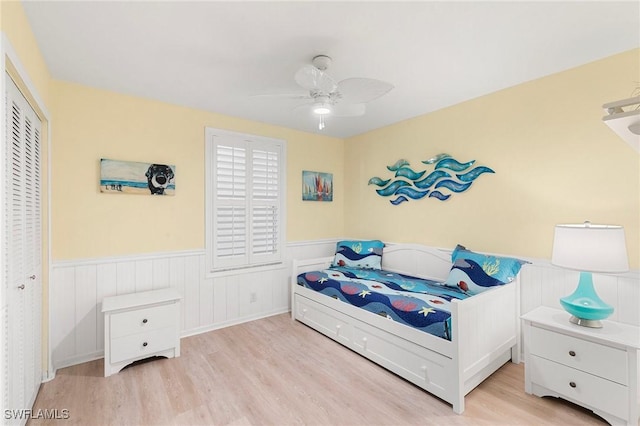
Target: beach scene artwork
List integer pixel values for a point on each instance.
(317, 186)
(130, 177)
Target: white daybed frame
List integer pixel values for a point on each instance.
(485, 327)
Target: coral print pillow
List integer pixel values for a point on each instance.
(359, 254)
(474, 273)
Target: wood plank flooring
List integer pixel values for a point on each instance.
(278, 372)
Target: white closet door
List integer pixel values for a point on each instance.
(22, 283)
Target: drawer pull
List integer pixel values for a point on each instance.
(144, 321)
(572, 384)
(338, 326)
(572, 353)
(144, 344)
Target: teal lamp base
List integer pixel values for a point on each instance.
(586, 308)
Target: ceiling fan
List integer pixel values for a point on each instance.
(347, 98)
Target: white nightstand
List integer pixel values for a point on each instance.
(596, 368)
(140, 325)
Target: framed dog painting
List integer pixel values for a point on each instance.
(129, 177)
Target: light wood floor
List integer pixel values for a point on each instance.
(278, 372)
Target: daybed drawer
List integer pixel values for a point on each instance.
(579, 386)
(603, 361)
(416, 363)
(142, 320)
(323, 319)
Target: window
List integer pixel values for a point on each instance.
(245, 193)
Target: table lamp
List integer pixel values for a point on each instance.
(589, 248)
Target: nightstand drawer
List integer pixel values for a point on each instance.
(593, 358)
(142, 320)
(580, 387)
(142, 344)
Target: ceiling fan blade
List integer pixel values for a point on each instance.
(348, 110)
(303, 108)
(311, 78)
(361, 90)
(283, 96)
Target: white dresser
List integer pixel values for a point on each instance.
(140, 325)
(596, 368)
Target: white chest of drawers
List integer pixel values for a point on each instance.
(594, 368)
(140, 325)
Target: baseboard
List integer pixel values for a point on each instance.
(80, 359)
(231, 323)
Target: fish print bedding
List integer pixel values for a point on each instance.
(416, 302)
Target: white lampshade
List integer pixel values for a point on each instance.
(593, 248)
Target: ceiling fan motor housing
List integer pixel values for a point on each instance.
(321, 62)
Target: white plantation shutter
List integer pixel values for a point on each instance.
(245, 200)
(265, 203)
(230, 187)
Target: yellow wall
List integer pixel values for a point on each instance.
(91, 124)
(555, 162)
(17, 29)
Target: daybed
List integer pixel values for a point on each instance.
(484, 329)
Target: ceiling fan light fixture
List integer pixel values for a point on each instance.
(322, 108)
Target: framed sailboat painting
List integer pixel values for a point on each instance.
(317, 186)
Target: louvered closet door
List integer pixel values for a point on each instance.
(22, 285)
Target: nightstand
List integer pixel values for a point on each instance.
(140, 325)
(596, 368)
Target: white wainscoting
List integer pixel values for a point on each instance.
(78, 287)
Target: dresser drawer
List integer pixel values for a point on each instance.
(589, 390)
(142, 344)
(143, 320)
(593, 358)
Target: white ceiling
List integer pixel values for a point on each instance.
(217, 56)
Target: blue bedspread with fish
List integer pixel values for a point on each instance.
(416, 302)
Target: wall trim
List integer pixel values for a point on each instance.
(124, 258)
(303, 243)
(165, 254)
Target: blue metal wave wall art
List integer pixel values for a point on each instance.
(449, 176)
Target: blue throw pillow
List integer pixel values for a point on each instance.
(359, 254)
(474, 273)
(503, 269)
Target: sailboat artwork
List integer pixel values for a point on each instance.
(317, 186)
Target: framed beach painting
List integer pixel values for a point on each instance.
(130, 177)
(317, 186)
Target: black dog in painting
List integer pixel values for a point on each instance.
(158, 177)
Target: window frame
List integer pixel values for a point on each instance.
(251, 143)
